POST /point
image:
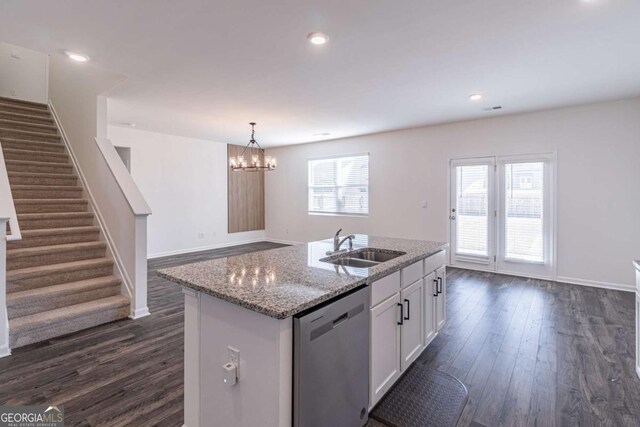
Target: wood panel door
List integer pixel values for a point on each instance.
(245, 196)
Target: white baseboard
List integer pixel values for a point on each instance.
(638, 371)
(205, 248)
(140, 312)
(559, 279)
(596, 284)
(284, 242)
(5, 351)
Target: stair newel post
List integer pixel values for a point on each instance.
(4, 320)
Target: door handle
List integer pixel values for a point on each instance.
(435, 293)
(453, 217)
(408, 309)
(401, 322)
(439, 285)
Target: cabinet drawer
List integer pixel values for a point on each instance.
(435, 261)
(412, 273)
(383, 288)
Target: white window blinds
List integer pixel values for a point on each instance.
(472, 216)
(524, 211)
(339, 185)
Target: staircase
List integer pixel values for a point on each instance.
(59, 279)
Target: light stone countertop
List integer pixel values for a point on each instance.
(286, 281)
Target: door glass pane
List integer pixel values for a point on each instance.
(472, 200)
(524, 211)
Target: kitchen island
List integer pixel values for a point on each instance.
(247, 303)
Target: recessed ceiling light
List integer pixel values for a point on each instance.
(317, 38)
(77, 56)
(322, 134)
(475, 96)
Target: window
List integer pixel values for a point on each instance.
(339, 185)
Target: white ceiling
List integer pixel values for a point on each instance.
(206, 68)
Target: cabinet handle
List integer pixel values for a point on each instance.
(439, 286)
(408, 308)
(401, 322)
(435, 293)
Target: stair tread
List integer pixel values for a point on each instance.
(31, 251)
(32, 321)
(43, 270)
(30, 141)
(16, 101)
(36, 163)
(7, 122)
(33, 110)
(62, 230)
(29, 132)
(54, 215)
(42, 174)
(49, 201)
(13, 297)
(34, 152)
(25, 116)
(46, 187)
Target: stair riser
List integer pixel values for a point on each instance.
(47, 194)
(36, 157)
(54, 258)
(49, 168)
(31, 127)
(43, 180)
(50, 207)
(17, 134)
(57, 278)
(27, 118)
(39, 224)
(25, 145)
(52, 302)
(9, 108)
(31, 242)
(62, 328)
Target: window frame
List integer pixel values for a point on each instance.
(335, 157)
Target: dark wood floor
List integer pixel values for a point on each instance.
(530, 352)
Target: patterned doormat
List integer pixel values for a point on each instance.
(423, 397)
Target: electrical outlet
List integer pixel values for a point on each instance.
(200, 235)
(13, 92)
(234, 357)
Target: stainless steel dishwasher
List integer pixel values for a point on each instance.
(331, 363)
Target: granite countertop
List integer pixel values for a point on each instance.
(286, 281)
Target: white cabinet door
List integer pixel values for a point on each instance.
(441, 310)
(412, 331)
(385, 347)
(430, 292)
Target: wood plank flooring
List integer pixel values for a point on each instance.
(531, 352)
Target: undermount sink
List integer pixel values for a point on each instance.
(362, 258)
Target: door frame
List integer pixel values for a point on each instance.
(552, 158)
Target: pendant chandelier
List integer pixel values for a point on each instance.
(249, 159)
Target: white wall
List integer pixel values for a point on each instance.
(74, 92)
(23, 73)
(598, 155)
(184, 180)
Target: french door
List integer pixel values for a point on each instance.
(502, 214)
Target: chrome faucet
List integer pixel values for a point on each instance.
(337, 242)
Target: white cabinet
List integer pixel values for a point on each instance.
(407, 310)
(441, 309)
(412, 330)
(430, 295)
(385, 347)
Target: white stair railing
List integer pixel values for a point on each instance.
(7, 216)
